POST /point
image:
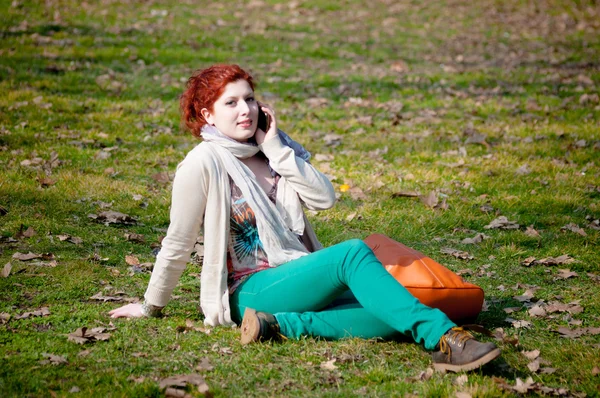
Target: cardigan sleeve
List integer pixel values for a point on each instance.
(312, 186)
(187, 209)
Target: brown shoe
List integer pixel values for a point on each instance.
(459, 351)
(258, 326)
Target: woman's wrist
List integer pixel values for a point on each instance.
(151, 310)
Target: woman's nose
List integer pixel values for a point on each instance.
(244, 108)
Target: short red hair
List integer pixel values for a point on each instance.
(203, 89)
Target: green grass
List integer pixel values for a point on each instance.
(517, 72)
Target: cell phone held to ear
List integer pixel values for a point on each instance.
(263, 120)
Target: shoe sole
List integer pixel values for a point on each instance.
(250, 327)
(446, 367)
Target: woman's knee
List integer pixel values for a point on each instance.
(357, 246)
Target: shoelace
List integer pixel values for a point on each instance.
(455, 335)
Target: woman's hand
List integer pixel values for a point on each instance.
(262, 136)
(127, 311)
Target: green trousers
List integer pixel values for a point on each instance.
(341, 291)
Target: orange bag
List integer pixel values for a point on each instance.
(432, 283)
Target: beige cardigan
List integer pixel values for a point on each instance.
(201, 196)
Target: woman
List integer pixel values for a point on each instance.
(246, 184)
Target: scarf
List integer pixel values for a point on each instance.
(278, 225)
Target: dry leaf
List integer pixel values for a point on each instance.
(329, 365)
(564, 259)
(83, 335)
(405, 194)
(162, 177)
(510, 310)
(517, 324)
(461, 380)
(502, 223)
(4, 317)
(530, 231)
(28, 233)
(204, 365)
(575, 333)
(69, 238)
(424, 375)
(537, 310)
(357, 194)
(429, 200)
(595, 371)
(462, 394)
(26, 257)
(135, 238)
(462, 255)
(566, 274)
(531, 355)
(44, 311)
(53, 359)
(500, 335)
(476, 239)
(132, 260)
(332, 140)
(574, 228)
(6, 270)
(113, 217)
(181, 381)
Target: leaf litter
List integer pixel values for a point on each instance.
(502, 223)
(6, 270)
(174, 386)
(84, 335)
(113, 217)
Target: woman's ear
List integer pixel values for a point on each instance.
(206, 115)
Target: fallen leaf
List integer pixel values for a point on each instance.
(502, 223)
(329, 365)
(181, 381)
(575, 333)
(429, 200)
(332, 140)
(45, 181)
(537, 310)
(500, 335)
(357, 194)
(486, 208)
(84, 335)
(28, 233)
(517, 324)
(595, 371)
(523, 386)
(461, 380)
(26, 257)
(572, 307)
(462, 255)
(510, 310)
(424, 375)
(462, 394)
(69, 238)
(574, 228)
(564, 259)
(53, 359)
(135, 238)
(476, 239)
(204, 365)
(405, 194)
(319, 157)
(4, 317)
(566, 274)
(162, 177)
(530, 231)
(531, 354)
(74, 390)
(6, 270)
(534, 365)
(547, 371)
(113, 217)
(44, 311)
(132, 260)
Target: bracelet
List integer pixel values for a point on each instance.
(151, 310)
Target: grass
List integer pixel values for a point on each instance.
(403, 83)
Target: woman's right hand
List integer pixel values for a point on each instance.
(133, 310)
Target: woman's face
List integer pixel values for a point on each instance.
(235, 113)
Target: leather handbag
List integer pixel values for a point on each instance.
(429, 281)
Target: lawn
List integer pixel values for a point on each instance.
(433, 119)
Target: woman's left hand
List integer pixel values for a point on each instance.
(262, 136)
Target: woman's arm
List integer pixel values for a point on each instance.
(312, 186)
(187, 210)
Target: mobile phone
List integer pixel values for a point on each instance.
(263, 120)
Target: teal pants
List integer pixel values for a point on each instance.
(341, 291)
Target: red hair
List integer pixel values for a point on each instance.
(202, 91)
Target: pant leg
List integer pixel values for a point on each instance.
(299, 289)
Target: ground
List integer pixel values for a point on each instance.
(433, 119)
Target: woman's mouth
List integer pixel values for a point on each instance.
(245, 123)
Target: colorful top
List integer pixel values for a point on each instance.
(245, 253)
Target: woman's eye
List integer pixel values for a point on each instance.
(229, 103)
(250, 99)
